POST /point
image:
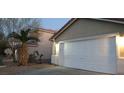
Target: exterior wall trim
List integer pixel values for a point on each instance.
(91, 37)
(109, 20)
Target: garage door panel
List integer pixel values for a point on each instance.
(91, 55)
(93, 65)
(81, 60)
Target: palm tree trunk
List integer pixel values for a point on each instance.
(23, 55)
(13, 55)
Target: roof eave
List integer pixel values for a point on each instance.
(73, 20)
(69, 23)
(108, 20)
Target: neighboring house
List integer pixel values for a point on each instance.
(94, 44)
(44, 46)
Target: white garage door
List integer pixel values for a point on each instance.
(95, 55)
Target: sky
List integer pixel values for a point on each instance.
(53, 23)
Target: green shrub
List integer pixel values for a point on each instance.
(1, 60)
(3, 45)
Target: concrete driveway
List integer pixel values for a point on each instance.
(58, 70)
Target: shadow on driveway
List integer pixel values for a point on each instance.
(58, 70)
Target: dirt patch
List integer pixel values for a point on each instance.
(12, 68)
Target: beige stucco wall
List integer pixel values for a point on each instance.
(89, 27)
(44, 46)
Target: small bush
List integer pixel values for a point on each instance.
(1, 60)
(3, 45)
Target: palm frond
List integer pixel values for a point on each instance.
(22, 32)
(33, 38)
(14, 35)
(23, 36)
(27, 31)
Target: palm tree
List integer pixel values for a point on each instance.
(23, 37)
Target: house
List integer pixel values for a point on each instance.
(95, 44)
(44, 46)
